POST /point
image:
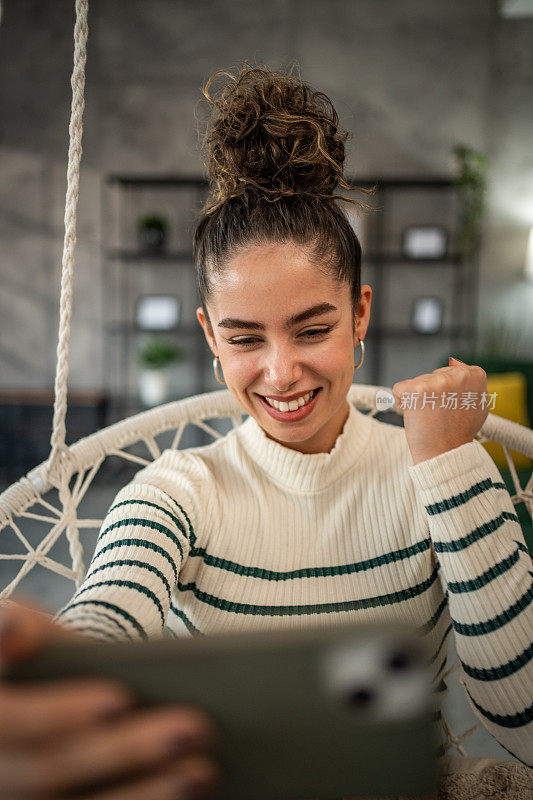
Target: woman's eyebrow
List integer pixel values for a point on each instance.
(231, 322)
(314, 311)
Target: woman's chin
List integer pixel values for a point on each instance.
(292, 435)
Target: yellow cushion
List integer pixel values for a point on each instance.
(510, 402)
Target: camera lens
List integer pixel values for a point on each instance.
(399, 660)
(361, 697)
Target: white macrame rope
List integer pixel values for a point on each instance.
(60, 460)
(59, 451)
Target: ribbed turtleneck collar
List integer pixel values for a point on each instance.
(301, 471)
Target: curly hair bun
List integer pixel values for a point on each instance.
(271, 131)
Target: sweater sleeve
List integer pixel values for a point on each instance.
(485, 570)
(127, 591)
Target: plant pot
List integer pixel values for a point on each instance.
(154, 386)
(152, 240)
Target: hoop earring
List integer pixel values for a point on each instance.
(215, 370)
(362, 358)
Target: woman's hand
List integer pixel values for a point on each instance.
(86, 736)
(443, 409)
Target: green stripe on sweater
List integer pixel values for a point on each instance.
(457, 587)
(506, 720)
(430, 624)
(140, 543)
(441, 668)
(311, 572)
(192, 535)
(463, 497)
(141, 502)
(304, 572)
(439, 648)
(185, 619)
(86, 630)
(138, 587)
(479, 628)
(112, 607)
(132, 563)
(143, 523)
(477, 534)
(102, 618)
(495, 673)
(315, 608)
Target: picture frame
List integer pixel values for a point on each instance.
(427, 313)
(425, 243)
(157, 312)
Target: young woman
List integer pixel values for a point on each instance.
(312, 512)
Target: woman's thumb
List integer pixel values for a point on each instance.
(24, 629)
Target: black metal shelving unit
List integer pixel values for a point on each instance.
(384, 255)
(123, 262)
(381, 255)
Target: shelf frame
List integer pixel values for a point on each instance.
(119, 266)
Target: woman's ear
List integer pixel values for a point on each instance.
(208, 331)
(362, 317)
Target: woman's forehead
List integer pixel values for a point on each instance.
(274, 276)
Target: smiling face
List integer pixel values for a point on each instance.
(285, 333)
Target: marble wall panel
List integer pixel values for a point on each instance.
(168, 42)
(26, 236)
(408, 82)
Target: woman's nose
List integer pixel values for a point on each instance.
(282, 368)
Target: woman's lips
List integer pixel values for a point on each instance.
(290, 416)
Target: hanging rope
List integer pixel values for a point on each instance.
(61, 463)
(59, 451)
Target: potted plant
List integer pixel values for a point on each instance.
(471, 187)
(152, 233)
(156, 357)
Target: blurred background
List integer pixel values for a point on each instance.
(438, 99)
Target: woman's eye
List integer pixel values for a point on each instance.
(244, 340)
(311, 333)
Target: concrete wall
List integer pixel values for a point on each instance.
(409, 79)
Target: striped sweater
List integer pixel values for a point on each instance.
(247, 534)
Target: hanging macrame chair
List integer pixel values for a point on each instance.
(70, 470)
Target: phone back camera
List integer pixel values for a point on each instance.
(399, 661)
(377, 676)
(362, 697)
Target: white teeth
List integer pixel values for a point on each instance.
(292, 405)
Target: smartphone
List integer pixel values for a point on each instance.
(344, 711)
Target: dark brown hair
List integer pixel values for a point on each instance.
(275, 158)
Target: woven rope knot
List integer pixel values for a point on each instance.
(62, 464)
(36, 557)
